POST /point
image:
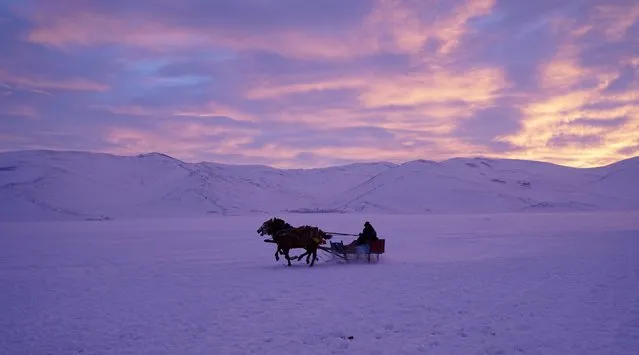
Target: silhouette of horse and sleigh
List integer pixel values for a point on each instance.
(312, 239)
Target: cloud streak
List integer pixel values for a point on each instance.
(302, 84)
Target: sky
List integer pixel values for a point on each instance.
(291, 83)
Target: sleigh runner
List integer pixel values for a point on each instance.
(346, 252)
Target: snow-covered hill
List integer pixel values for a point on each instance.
(463, 185)
(41, 185)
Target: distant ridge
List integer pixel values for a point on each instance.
(59, 185)
(424, 161)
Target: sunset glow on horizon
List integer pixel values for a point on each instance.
(291, 83)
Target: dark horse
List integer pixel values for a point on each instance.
(272, 227)
(288, 237)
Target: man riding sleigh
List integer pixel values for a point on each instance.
(365, 237)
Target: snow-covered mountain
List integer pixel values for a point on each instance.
(58, 185)
(39, 185)
(464, 185)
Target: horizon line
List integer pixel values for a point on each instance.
(372, 162)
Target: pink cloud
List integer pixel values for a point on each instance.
(19, 110)
(392, 26)
(329, 80)
(615, 20)
(180, 139)
(41, 84)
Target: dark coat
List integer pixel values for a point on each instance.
(368, 235)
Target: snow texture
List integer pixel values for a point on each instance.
(522, 283)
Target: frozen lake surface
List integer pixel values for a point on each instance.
(449, 284)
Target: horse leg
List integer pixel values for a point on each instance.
(310, 253)
(288, 258)
(278, 252)
(314, 257)
(301, 256)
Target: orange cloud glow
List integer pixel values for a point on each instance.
(374, 80)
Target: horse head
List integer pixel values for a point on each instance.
(273, 226)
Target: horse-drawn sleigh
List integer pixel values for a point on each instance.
(312, 239)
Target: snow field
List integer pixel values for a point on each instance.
(449, 284)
